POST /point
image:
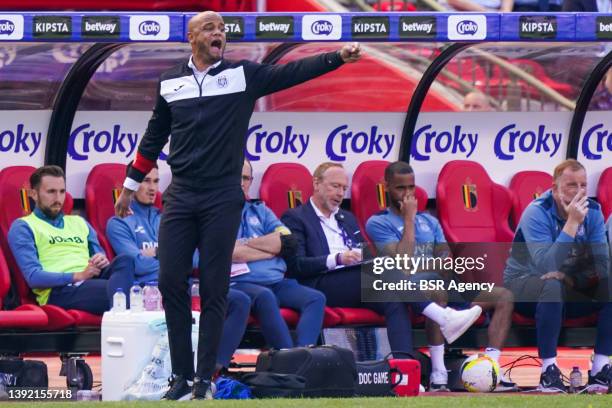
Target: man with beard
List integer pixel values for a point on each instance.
(206, 103)
(60, 256)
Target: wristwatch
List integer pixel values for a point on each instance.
(243, 241)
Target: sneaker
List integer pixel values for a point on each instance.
(203, 389)
(458, 321)
(438, 381)
(505, 385)
(180, 390)
(550, 380)
(601, 383)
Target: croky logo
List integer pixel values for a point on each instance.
(469, 195)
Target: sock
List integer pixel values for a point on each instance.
(599, 361)
(547, 362)
(437, 357)
(435, 312)
(493, 353)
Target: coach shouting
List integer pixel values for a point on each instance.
(206, 103)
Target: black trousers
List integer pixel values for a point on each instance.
(206, 219)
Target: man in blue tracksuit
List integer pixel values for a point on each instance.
(559, 253)
(136, 236)
(262, 238)
(206, 102)
(60, 256)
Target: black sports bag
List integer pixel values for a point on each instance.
(326, 371)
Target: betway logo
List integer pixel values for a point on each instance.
(100, 27)
(417, 27)
(605, 28)
(274, 27)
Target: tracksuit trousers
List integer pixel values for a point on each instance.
(206, 219)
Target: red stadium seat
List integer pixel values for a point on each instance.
(604, 192)
(368, 191)
(103, 186)
(14, 184)
(471, 207)
(284, 186)
(24, 316)
(526, 186)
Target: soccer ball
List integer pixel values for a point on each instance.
(479, 373)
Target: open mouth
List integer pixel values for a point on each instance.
(216, 45)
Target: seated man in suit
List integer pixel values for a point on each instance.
(559, 267)
(401, 230)
(136, 236)
(328, 237)
(261, 244)
(60, 256)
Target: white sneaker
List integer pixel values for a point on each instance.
(458, 321)
(504, 384)
(438, 381)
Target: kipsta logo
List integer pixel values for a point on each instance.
(149, 28)
(7, 27)
(222, 81)
(322, 27)
(467, 27)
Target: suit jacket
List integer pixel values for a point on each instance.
(312, 247)
(580, 5)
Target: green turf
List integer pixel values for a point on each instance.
(460, 401)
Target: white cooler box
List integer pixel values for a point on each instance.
(128, 339)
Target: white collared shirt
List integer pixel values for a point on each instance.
(333, 235)
(200, 74)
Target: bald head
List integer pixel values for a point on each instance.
(202, 17)
(476, 102)
(206, 34)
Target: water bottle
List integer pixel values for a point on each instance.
(157, 297)
(136, 298)
(149, 300)
(119, 301)
(575, 379)
(195, 295)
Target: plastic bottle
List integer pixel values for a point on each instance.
(136, 298)
(157, 297)
(575, 379)
(119, 301)
(148, 295)
(195, 295)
